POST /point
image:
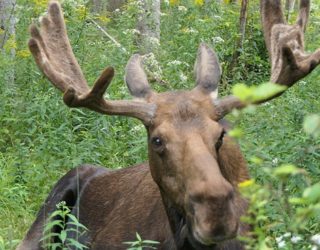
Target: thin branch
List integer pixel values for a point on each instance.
(109, 36)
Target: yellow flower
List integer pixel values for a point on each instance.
(246, 183)
(173, 2)
(10, 44)
(104, 19)
(40, 3)
(23, 53)
(199, 2)
(82, 12)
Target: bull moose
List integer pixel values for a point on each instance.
(186, 196)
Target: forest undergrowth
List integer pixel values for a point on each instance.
(41, 139)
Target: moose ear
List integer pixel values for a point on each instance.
(136, 78)
(207, 70)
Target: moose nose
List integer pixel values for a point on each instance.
(213, 216)
(219, 234)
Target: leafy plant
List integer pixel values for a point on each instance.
(141, 244)
(60, 223)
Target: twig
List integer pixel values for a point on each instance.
(107, 35)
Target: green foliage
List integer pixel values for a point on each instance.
(298, 212)
(311, 125)
(60, 223)
(254, 94)
(41, 139)
(141, 244)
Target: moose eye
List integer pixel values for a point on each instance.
(157, 144)
(156, 141)
(220, 140)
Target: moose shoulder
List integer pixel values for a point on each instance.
(186, 197)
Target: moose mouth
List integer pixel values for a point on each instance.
(197, 242)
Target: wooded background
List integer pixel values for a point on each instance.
(41, 139)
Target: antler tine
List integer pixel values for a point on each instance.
(54, 56)
(285, 43)
(53, 51)
(303, 17)
(271, 14)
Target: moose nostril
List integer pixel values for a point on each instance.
(230, 195)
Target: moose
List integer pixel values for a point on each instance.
(186, 196)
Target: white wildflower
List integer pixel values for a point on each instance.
(281, 244)
(286, 235)
(137, 128)
(295, 239)
(183, 77)
(190, 31)
(316, 239)
(154, 41)
(217, 39)
(131, 31)
(152, 66)
(275, 161)
(175, 62)
(279, 239)
(182, 8)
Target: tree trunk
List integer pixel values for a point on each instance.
(7, 31)
(98, 6)
(149, 26)
(242, 32)
(115, 4)
(7, 20)
(289, 8)
(243, 20)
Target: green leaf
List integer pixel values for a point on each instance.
(138, 237)
(266, 90)
(49, 226)
(76, 244)
(236, 133)
(286, 170)
(253, 94)
(297, 201)
(242, 91)
(151, 242)
(311, 125)
(312, 194)
(63, 235)
(256, 160)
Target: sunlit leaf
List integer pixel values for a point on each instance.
(311, 125)
(312, 194)
(242, 91)
(265, 90)
(286, 170)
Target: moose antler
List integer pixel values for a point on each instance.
(53, 54)
(285, 44)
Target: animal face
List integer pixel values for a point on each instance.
(185, 140)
